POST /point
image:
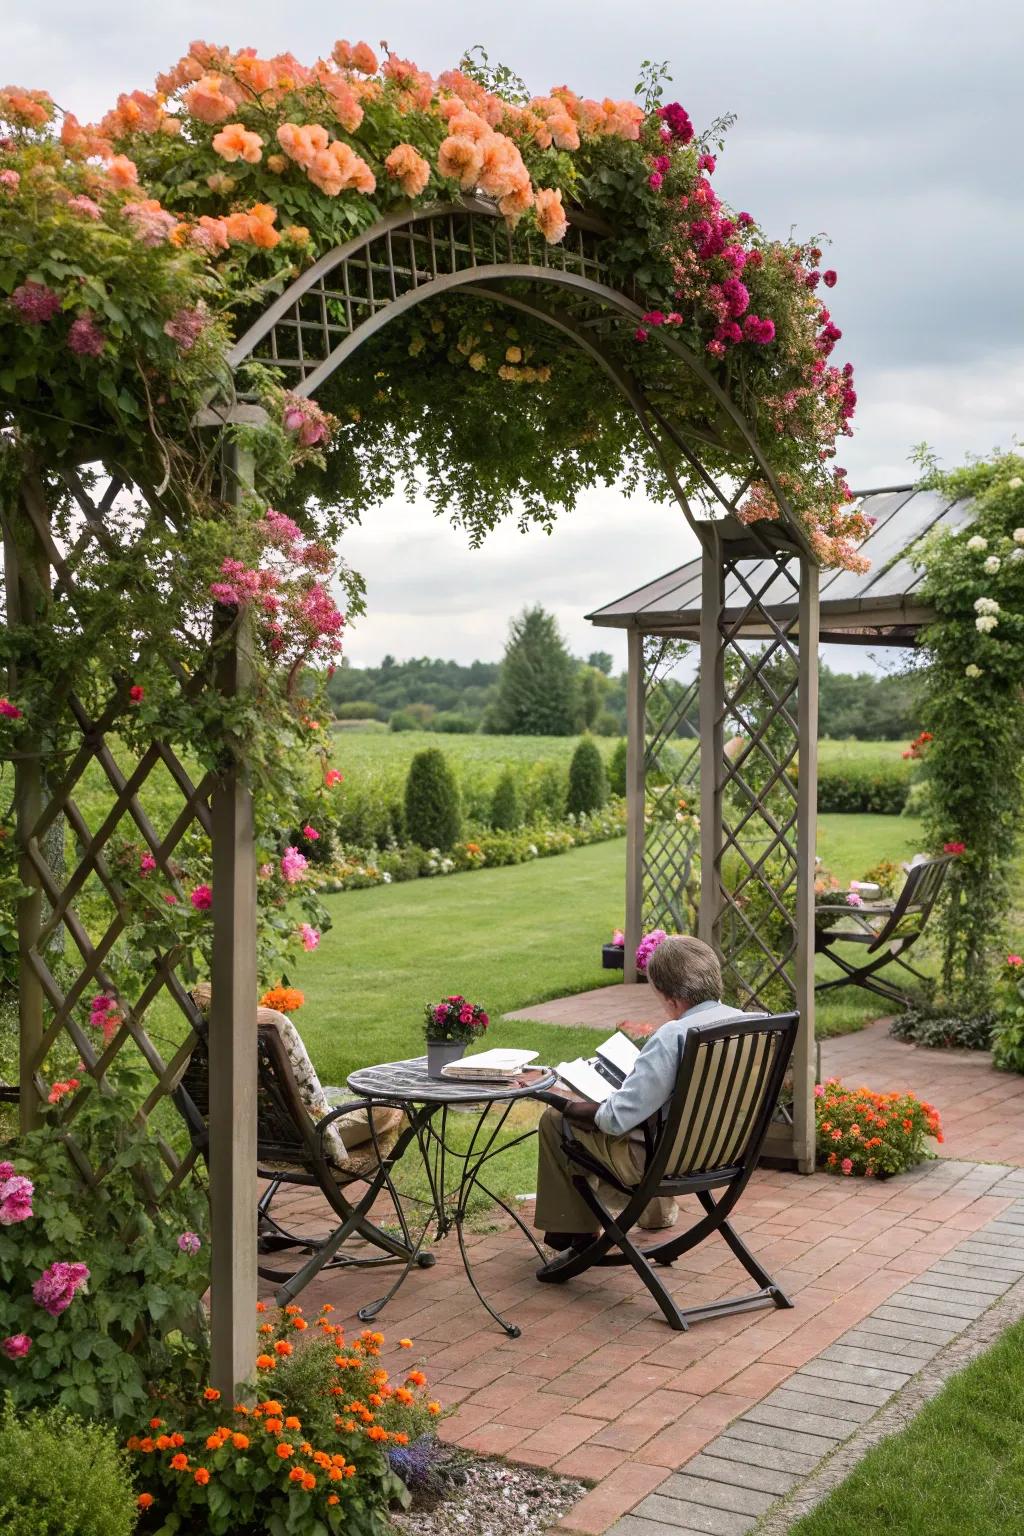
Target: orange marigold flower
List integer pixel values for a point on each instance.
(178, 1439)
(306, 1448)
(282, 1347)
(299, 1323)
(376, 1433)
(214, 1442)
(292, 1310)
(261, 1306)
(283, 999)
(434, 1408)
(327, 1307)
(284, 1450)
(265, 1328)
(202, 1476)
(308, 1482)
(211, 1394)
(274, 1426)
(404, 1396)
(179, 1462)
(400, 1438)
(240, 1442)
(416, 1378)
(335, 1474)
(350, 1471)
(144, 1500)
(156, 1423)
(271, 1406)
(296, 1475)
(332, 1498)
(265, 1362)
(291, 1422)
(146, 1444)
(164, 1443)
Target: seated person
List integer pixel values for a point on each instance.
(685, 977)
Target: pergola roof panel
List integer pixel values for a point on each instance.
(858, 604)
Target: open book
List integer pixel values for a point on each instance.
(599, 1077)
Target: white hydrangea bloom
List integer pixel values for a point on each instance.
(1018, 535)
(986, 623)
(1016, 483)
(977, 542)
(972, 671)
(992, 564)
(986, 605)
(1017, 554)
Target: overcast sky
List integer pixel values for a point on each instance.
(894, 128)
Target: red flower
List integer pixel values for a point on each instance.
(136, 693)
(956, 848)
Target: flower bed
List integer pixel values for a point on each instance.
(871, 1135)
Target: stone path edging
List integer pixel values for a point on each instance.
(832, 1409)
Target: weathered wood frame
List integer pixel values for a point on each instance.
(308, 333)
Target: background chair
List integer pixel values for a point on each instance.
(882, 931)
(729, 1079)
(302, 1142)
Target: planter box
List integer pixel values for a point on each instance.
(613, 957)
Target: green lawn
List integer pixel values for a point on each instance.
(957, 1470)
(508, 938)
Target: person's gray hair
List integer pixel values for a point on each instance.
(685, 970)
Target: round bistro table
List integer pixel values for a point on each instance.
(428, 1102)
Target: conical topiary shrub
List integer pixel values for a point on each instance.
(617, 768)
(433, 815)
(588, 783)
(506, 807)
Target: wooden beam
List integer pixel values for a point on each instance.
(804, 1062)
(636, 744)
(712, 693)
(233, 1022)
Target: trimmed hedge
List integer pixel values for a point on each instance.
(588, 782)
(433, 816)
(852, 789)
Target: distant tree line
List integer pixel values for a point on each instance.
(540, 689)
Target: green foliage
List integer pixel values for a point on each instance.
(1008, 1041)
(974, 706)
(139, 1322)
(62, 1477)
(867, 707)
(433, 816)
(452, 724)
(357, 709)
(588, 783)
(506, 809)
(939, 1028)
(537, 690)
(402, 720)
(617, 768)
(859, 789)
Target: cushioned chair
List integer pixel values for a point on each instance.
(707, 1144)
(303, 1140)
(880, 933)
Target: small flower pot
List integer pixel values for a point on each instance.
(441, 1052)
(613, 957)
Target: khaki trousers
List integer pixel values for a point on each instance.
(560, 1208)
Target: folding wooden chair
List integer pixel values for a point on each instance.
(709, 1138)
(883, 931)
(292, 1149)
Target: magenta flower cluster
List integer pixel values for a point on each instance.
(293, 865)
(455, 1018)
(648, 944)
(186, 326)
(105, 1015)
(85, 338)
(15, 1196)
(189, 1243)
(35, 303)
(676, 120)
(57, 1287)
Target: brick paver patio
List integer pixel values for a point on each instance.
(600, 1388)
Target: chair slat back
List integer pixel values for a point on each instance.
(729, 1080)
(920, 892)
(282, 1124)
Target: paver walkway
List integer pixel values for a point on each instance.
(598, 1387)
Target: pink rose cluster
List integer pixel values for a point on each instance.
(648, 944)
(305, 421)
(57, 1287)
(15, 1196)
(293, 865)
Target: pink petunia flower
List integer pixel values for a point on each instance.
(8, 710)
(146, 864)
(202, 898)
(293, 865)
(310, 936)
(189, 1243)
(17, 1346)
(311, 834)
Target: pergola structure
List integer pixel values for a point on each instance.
(719, 834)
(761, 579)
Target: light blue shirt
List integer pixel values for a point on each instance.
(652, 1081)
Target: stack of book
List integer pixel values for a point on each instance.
(497, 1066)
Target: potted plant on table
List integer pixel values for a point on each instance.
(449, 1027)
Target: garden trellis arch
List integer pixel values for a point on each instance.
(307, 334)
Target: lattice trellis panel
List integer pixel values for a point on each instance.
(304, 334)
(128, 813)
(671, 863)
(756, 866)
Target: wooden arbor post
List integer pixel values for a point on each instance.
(232, 1018)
